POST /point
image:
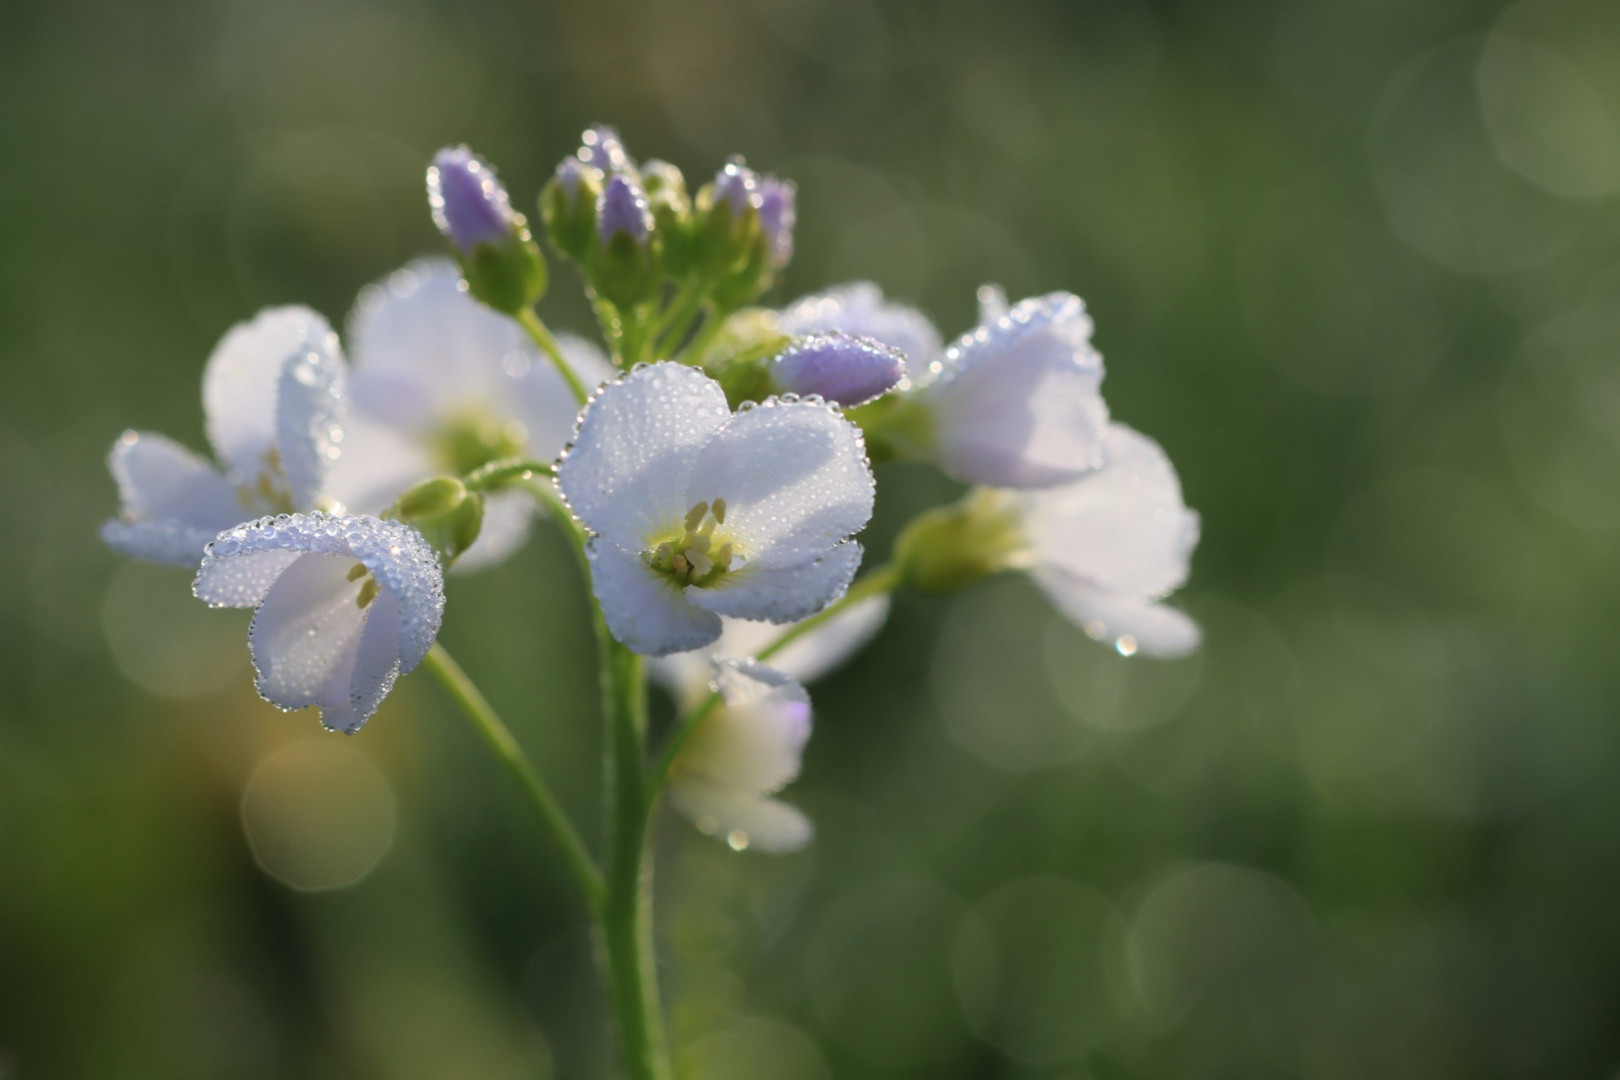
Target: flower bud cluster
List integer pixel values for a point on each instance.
(502, 264)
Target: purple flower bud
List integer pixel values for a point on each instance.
(622, 208)
(737, 186)
(777, 215)
(469, 204)
(571, 173)
(838, 367)
(602, 149)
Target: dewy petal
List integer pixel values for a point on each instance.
(743, 820)
(1018, 403)
(1125, 528)
(626, 474)
(312, 403)
(643, 608)
(859, 308)
(1133, 625)
(243, 382)
(541, 401)
(378, 463)
(172, 501)
(311, 641)
(781, 595)
(424, 351)
(795, 479)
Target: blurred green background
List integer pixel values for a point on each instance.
(1357, 267)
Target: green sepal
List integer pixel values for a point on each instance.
(509, 276)
(952, 547)
(448, 516)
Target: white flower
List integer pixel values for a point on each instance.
(741, 755)
(346, 605)
(1107, 547)
(860, 309)
(442, 385)
(696, 512)
(749, 747)
(274, 397)
(1017, 402)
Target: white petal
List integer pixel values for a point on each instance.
(244, 579)
(781, 595)
(507, 516)
(424, 351)
(743, 820)
(535, 395)
(1124, 528)
(643, 608)
(816, 652)
(172, 501)
(685, 675)
(1018, 403)
(243, 382)
(376, 668)
(379, 461)
(626, 474)
(312, 404)
(306, 633)
(795, 479)
(859, 308)
(1131, 624)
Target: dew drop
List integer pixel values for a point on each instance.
(737, 840)
(1125, 645)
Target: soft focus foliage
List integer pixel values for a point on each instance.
(1354, 265)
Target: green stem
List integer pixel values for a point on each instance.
(548, 345)
(626, 913)
(677, 320)
(881, 579)
(499, 737)
(714, 321)
(498, 474)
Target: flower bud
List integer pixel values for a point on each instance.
(672, 214)
(952, 547)
(777, 215)
(727, 220)
(625, 269)
(501, 263)
(601, 148)
(838, 367)
(447, 515)
(568, 207)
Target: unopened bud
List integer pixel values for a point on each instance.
(447, 515)
(727, 220)
(622, 210)
(838, 367)
(672, 215)
(624, 268)
(777, 215)
(602, 148)
(568, 207)
(499, 259)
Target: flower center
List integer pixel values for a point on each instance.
(473, 441)
(697, 556)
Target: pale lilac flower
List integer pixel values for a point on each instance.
(622, 208)
(345, 605)
(275, 400)
(469, 205)
(837, 367)
(777, 216)
(696, 512)
(860, 309)
(441, 385)
(1107, 547)
(1017, 402)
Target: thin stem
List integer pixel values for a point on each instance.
(548, 345)
(626, 914)
(677, 320)
(497, 474)
(881, 579)
(714, 320)
(499, 737)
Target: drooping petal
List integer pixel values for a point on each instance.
(1132, 624)
(743, 820)
(507, 517)
(312, 642)
(1125, 528)
(859, 308)
(312, 403)
(172, 501)
(644, 608)
(425, 352)
(1017, 403)
(794, 477)
(243, 383)
(626, 474)
(783, 594)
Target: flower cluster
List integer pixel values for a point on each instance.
(716, 460)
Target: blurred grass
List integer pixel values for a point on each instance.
(1357, 266)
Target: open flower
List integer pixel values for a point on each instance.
(1107, 547)
(442, 385)
(860, 309)
(346, 605)
(274, 397)
(1017, 402)
(696, 512)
